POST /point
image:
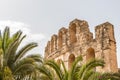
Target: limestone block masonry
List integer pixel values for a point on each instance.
(78, 40)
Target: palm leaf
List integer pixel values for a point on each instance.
(6, 36)
(36, 57)
(65, 71)
(56, 68)
(46, 72)
(89, 66)
(24, 50)
(24, 65)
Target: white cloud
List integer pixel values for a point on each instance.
(31, 37)
(15, 26)
(36, 37)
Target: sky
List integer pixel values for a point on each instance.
(40, 19)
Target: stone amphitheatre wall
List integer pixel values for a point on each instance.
(78, 40)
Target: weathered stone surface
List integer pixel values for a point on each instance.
(78, 40)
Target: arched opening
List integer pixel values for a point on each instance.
(71, 59)
(90, 54)
(72, 31)
(59, 62)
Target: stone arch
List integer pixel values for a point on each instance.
(72, 32)
(90, 54)
(71, 59)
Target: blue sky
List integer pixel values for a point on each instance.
(39, 19)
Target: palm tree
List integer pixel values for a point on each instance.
(13, 60)
(77, 72)
(85, 71)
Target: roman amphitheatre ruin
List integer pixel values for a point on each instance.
(78, 40)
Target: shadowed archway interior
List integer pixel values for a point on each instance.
(90, 54)
(71, 59)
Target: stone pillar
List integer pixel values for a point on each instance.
(52, 45)
(72, 33)
(62, 37)
(60, 40)
(47, 50)
(106, 42)
(54, 42)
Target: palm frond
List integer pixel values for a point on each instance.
(24, 65)
(18, 39)
(91, 75)
(24, 50)
(75, 68)
(111, 76)
(5, 38)
(89, 66)
(44, 70)
(65, 71)
(11, 52)
(36, 57)
(56, 68)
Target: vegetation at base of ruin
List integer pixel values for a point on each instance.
(78, 71)
(16, 65)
